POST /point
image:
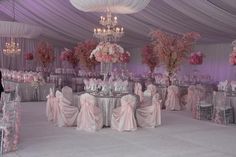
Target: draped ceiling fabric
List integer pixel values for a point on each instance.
(16, 29)
(215, 20)
(115, 6)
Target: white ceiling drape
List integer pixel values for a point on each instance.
(16, 29)
(215, 20)
(115, 6)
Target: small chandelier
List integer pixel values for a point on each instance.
(110, 30)
(12, 47)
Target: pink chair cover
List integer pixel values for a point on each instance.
(151, 90)
(138, 91)
(57, 116)
(150, 116)
(123, 118)
(90, 116)
(49, 105)
(192, 98)
(64, 113)
(68, 112)
(173, 101)
(67, 93)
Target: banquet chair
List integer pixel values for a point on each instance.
(10, 125)
(90, 117)
(49, 105)
(150, 116)
(67, 93)
(223, 112)
(67, 112)
(123, 117)
(192, 98)
(138, 91)
(57, 116)
(202, 91)
(151, 90)
(173, 100)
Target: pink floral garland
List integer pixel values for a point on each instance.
(11, 132)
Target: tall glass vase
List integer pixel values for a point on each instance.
(106, 68)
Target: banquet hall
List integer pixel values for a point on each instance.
(109, 78)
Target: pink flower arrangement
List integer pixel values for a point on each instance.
(232, 56)
(69, 56)
(28, 56)
(45, 54)
(196, 58)
(107, 52)
(172, 49)
(83, 51)
(149, 57)
(124, 57)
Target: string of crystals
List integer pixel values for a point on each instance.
(110, 30)
(12, 48)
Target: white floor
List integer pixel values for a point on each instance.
(179, 136)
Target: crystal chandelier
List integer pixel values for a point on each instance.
(11, 48)
(110, 30)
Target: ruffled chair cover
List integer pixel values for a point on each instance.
(138, 91)
(223, 111)
(68, 112)
(86, 84)
(49, 105)
(57, 116)
(90, 116)
(123, 118)
(67, 93)
(192, 98)
(202, 91)
(151, 90)
(150, 116)
(173, 101)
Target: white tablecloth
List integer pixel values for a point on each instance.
(29, 93)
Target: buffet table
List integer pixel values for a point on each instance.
(27, 92)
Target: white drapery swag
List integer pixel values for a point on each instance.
(115, 6)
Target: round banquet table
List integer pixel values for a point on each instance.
(107, 103)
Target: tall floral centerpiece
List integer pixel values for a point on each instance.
(107, 53)
(70, 57)
(172, 50)
(83, 51)
(149, 57)
(45, 54)
(28, 56)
